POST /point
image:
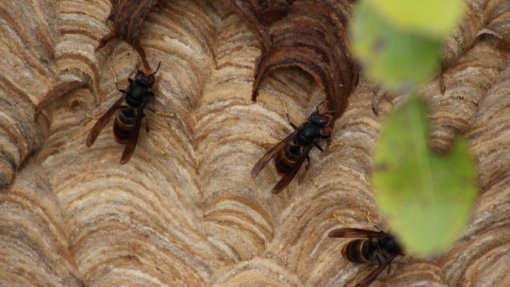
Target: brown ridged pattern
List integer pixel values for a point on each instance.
(485, 243)
(25, 76)
(81, 24)
(184, 211)
(479, 15)
(499, 23)
(153, 208)
(467, 82)
(308, 35)
(127, 19)
(313, 37)
(33, 239)
(258, 15)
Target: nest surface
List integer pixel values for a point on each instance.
(184, 211)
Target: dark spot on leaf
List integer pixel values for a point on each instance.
(380, 167)
(379, 45)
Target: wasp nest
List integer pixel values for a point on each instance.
(184, 211)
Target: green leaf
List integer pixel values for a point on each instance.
(434, 18)
(427, 198)
(398, 58)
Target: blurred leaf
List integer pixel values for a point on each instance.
(397, 58)
(427, 198)
(434, 18)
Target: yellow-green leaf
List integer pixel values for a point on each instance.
(434, 18)
(427, 198)
(399, 59)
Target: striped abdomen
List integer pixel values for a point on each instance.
(287, 158)
(358, 251)
(124, 124)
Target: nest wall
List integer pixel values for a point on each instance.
(184, 211)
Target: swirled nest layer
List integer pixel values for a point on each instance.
(184, 210)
